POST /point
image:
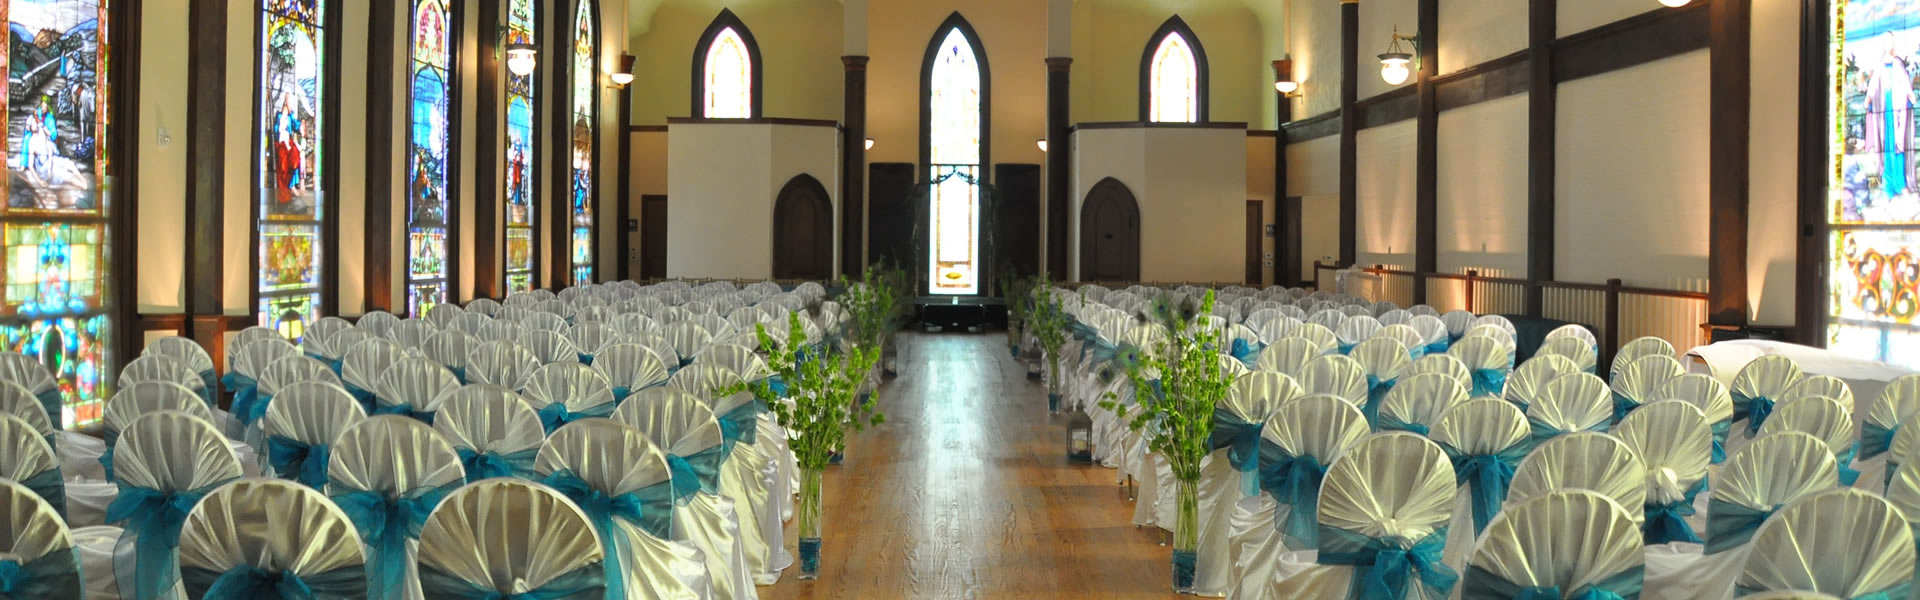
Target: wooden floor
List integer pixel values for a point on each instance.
(965, 492)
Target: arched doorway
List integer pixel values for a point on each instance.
(1110, 233)
(803, 230)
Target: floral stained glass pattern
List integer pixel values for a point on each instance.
(53, 253)
(729, 77)
(1175, 85)
(956, 115)
(292, 208)
(519, 159)
(427, 162)
(581, 186)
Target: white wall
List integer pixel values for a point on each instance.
(721, 184)
(1378, 21)
(1481, 188)
(1313, 32)
(1774, 160)
(161, 259)
(1576, 16)
(1191, 187)
(1478, 31)
(1385, 193)
(1313, 176)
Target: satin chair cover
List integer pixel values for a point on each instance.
(1496, 333)
(1575, 331)
(164, 462)
(1444, 364)
(1848, 543)
(1417, 403)
(137, 400)
(283, 373)
(501, 363)
(1297, 444)
(25, 458)
(1414, 342)
(189, 354)
(551, 347)
(450, 349)
(1259, 317)
(589, 338)
(565, 392)
(630, 368)
(1395, 317)
(38, 558)
(687, 339)
(243, 380)
(245, 337)
(29, 373)
(1564, 544)
(485, 306)
(1329, 318)
(754, 476)
(502, 330)
(1898, 403)
(1822, 386)
(1335, 375)
(1496, 321)
(704, 380)
(615, 460)
(1583, 355)
(592, 313)
(1712, 398)
(1382, 361)
(442, 314)
(740, 359)
(391, 470)
(1355, 329)
(717, 326)
(414, 333)
(1673, 441)
(1759, 387)
(506, 536)
(376, 322)
(1288, 356)
(1637, 349)
(361, 368)
(1279, 328)
(1488, 362)
(686, 430)
(1773, 471)
(153, 367)
(1433, 333)
(1570, 404)
(16, 401)
(269, 530)
(469, 322)
(301, 426)
(1527, 382)
(1824, 418)
(1485, 439)
(1321, 337)
(1586, 460)
(1641, 381)
(493, 429)
(412, 387)
(1384, 508)
(547, 316)
(638, 323)
(94, 545)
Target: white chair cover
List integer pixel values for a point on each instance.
(303, 422)
(1278, 328)
(411, 387)
(501, 330)
(1823, 386)
(750, 477)
(1495, 332)
(25, 458)
(1329, 318)
(494, 430)
(1308, 434)
(387, 464)
(412, 333)
(1355, 329)
(1823, 418)
(616, 460)
(1496, 321)
(188, 353)
(1318, 334)
(275, 527)
(629, 368)
(703, 380)
(1581, 353)
(510, 537)
(682, 426)
(243, 380)
(1585, 460)
(345, 341)
(1570, 542)
(1415, 343)
(1488, 361)
(469, 323)
(591, 337)
(1578, 332)
(245, 337)
(1383, 361)
(450, 349)
(565, 392)
(688, 338)
(441, 315)
(1844, 542)
(361, 368)
(1674, 443)
(1444, 364)
(1773, 471)
(95, 546)
(1526, 382)
(551, 347)
(291, 370)
(1570, 404)
(34, 539)
(1641, 381)
(1485, 439)
(501, 363)
(638, 323)
(153, 367)
(1417, 403)
(1335, 375)
(485, 306)
(1288, 356)
(1390, 491)
(1711, 397)
(17, 402)
(167, 453)
(1897, 404)
(740, 359)
(1635, 350)
(547, 317)
(1395, 317)
(376, 322)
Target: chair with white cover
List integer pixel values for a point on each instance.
(1575, 331)
(1823, 386)
(592, 337)
(1274, 330)
(413, 387)
(131, 402)
(1297, 444)
(17, 402)
(1848, 543)
(257, 537)
(284, 373)
(1503, 336)
(165, 463)
(485, 306)
(1571, 404)
(547, 317)
(501, 330)
(1383, 361)
(1330, 318)
(1355, 329)
(742, 360)
(1672, 439)
(1457, 322)
(1585, 460)
(26, 459)
(1526, 382)
(1637, 349)
(152, 367)
(343, 341)
(686, 430)
(1418, 403)
(1488, 360)
(1383, 513)
(1415, 343)
(1433, 333)
(189, 354)
(361, 368)
(629, 368)
(1321, 337)
(94, 544)
(1288, 356)
(505, 537)
(1712, 398)
(1824, 418)
(565, 392)
(243, 378)
(1395, 316)
(1336, 375)
(502, 363)
(1230, 470)
(442, 314)
(1496, 321)
(412, 333)
(38, 558)
(387, 473)
(1641, 381)
(1582, 354)
(624, 484)
(469, 322)
(687, 338)
(551, 347)
(1897, 404)
(1485, 439)
(493, 430)
(300, 428)
(1773, 471)
(745, 476)
(1564, 544)
(638, 323)
(376, 322)
(1444, 364)
(245, 337)
(450, 349)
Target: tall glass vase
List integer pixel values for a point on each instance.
(1053, 383)
(1186, 536)
(812, 499)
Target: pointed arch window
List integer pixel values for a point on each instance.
(726, 71)
(585, 111)
(430, 156)
(954, 134)
(1173, 76)
(522, 237)
(293, 206)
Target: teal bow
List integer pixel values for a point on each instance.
(1892, 592)
(741, 425)
(1848, 474)
(1376, 393)
(649, 508)
(247, 582)
(48, 486)
(1294, 482)
(1392, 423)
(1246, 352)
(332, 363)
(1729, 525)
(1486, 477)
(207, 381)
(697, 472)
(585, 359)
(386, 525)
(1242, 441)
(1623, 405)
(555, 415)
(1481, 584)
(111, 438)
(51, 399)
(248, 406)
(460, 373)
(1540, 432)
(585, 583)
(1489, 382)
(488, 465)
(1720, 430)
(152, 519)
(1752, 410)
(405, 410)
(55, 575)
(1437, 347)
(299, 461)
(364, 397)
(1344, 348)
(1384, 569)
(1876, 439)
(1667, 522)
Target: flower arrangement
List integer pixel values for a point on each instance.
(1049, 322)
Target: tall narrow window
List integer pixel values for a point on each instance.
(726, 71)
(519, 159)
(955, 83)
(585, 77)
(54, 303)
(291, 207)
(1173, 76)
(427, 164)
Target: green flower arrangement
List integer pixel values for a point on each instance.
(1049, 323)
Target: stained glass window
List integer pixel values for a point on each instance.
(728, 89)
(581, 186)
(1873, 198)
(292, 207)
(520, 232)
(54, 303)
(955, 116)
(427, 163)
(1175, 82)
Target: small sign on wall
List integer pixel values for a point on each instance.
(633, 225)
(1271, 229)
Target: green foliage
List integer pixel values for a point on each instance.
(1017, 291)
(1049, 323)
(871, 308)
(1177, 418)
(823, 385)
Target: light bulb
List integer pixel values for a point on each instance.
(1285, 87)
(869, 143)
(1393, 67)
(1042, 143)
(1675, 3)
(621, 79)
(520, 59)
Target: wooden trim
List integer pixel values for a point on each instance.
(124, 151)
(456, 38)
(1349, 131)
(853, 166)
(1426, 202)
(623, 196)
(955, 21)
(1286, 260)
(559, 107)
(1174, 25)
(1325, 124)
(1059, 167)
(206, 157)
(330, 165)
(1386, 108)
(1810, 269)
(721, 22)
(1731, 34)
(1542, 119)
(1262, 133)
(646, 129)
(144, 323)
(1158, 125)
(489, 96)
(1635, 40)
(378, 187)
(752, 121)
(1491, 80)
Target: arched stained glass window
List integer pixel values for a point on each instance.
(1173, 73)
(955, 80)
(726, 71)
(520, 231)
(428, 161)
(54, 305)
(292, 207)
(585, 77)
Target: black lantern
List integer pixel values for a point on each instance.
(1080, 437)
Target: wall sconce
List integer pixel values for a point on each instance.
(1042, 143)
(623, 76)
(869, 143)
(1283, 77)
(521, 58)
(1394, 62)
(1675, 3)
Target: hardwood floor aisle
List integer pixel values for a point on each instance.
(965, 492)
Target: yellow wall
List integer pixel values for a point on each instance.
(799, 44)
(1111, 35)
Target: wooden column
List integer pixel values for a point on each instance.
(124, 103)
(1426, 168)
(1059, 160)
(853, 168)
(330, 158)
(488, 98)
(1809, 286)
(556, 54)
(623, 209)
(1729, 38)
(1286, 267)
(1541, 123)
(1349, 132)
(379, 160)
(206, 168)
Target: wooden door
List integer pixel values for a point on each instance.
(803, 231)
(653, 237)
(1110, 233)
(1256, 224)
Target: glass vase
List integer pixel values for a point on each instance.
(812, 497)
(1186, 536)
(1053, 384)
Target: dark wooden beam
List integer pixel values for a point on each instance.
(1635, 40)
(1394, 106)
(335, 36)
(1284, 272)
(557, 27)
(1325, 124)
(1491, 80)
(1809, 286)
(124, 42)
(1059, 168)
(206, 158)
(1426, 166)
(623, 209)
(1541, 123)
(456, 94)
(853, 167)
(1731, 59)
(379, 159)
(488, 98)
(1349, 131)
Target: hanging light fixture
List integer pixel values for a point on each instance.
(1396, 64)
(625, 75)
(1042, 143)
(869, 143)
(521, 58)
(1675, 3)
(1283, 77)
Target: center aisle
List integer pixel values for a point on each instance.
(966, 492)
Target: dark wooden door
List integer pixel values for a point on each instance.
(1256, 223)
(1110, 233)
(803, 230)
(653, 237)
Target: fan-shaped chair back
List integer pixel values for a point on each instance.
(551, 347)
(740, 359)
(1259, 393)
(485, 306)
(1637, 349)
(638, 323)
(685, 429)
(443, 314)
(1641, 381)
(1562, 544)
(1578, 332)
(388, 473)
(688, 338)
(301, 426)
(501, 363)
(501, 330)
(1336, 375)
(164, 463)
(253, 359)
(493, 430)
(360, 370)
(1526, 382)
(412, 333)
(470, 323)
(1844, 542)
(1299, 442)
(137, 400)
(289, 371)
(505, 537)
(1417, 403)
(1288, 356)
(1487, 360)
(1711, 397)
(1585, 460)
(662, 349)
(1822, 386)
(1485, 439)
(1823, 418)
(629, 367)
(1391, 494)
(1674, 443)
(1443, 364)
(603, 457)
(1897, 404)
(591, 337)
(1457, 322)
(1494, 332)
(1571, 404)
(246, 538)
(566, 392)
(1758, 479)
(153, 367)
(36, 550)
(26, 458)
(17, 402)
(1583, 355)
(1278, 328)
(412, 387)
(1355, 329)
(450, 349)
(376, 322)
(1318, 334)
(188, 353)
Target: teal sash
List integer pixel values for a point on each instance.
(1482, 584)
(247, 582)
(585, 583)
(1487, 477)
(1667, 523)
(1385, 570)
(55, 575)
(385, 526)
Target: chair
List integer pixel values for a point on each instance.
(1711, 397)
(485, 306)
(1276, 329)
(1457, 322)
(450, 349)
(1843, 542)
(1496, 321)
(361, 368)
(1395, 317)
(1415, 343)
(1822, 386)
(742, 360)
(1563, 544)
(686, 430)
(1383, 360)
(639, 323)
(565, 392)
(387, 473)
(243, 377)
(603, 466)
(37, 552)
(1526, 382)
(376, 322)
(138, 400)
(501, 330)
(301, 426)
(1489, 362)
(153, 367)
(1823, 418)
(1383, 521)
(1585, 460)
(94, 544)
(245, 337)
(1897, 404)
(283, 373)
(505, 537)
(1485, 439)
(1329, 318)
(1641, 381)
(1230, 468)
(1757, 480)
(1336, 375)
(1570, 404)
(629, 367)
(1355, 329)
(1299, 441)
(26, 459)
(1288, 356)
(1433, 333)
(687, 339)
(758, 446)
(340, 344)
(165, 463)
(17, 402)
(189, 354)
(442, 314)
(1321, 337)
(1498, 334)
(1584, 357)
(1443, 364)
(502, 363)
(1575, 331)
(704, 380)
(412, 387)
(469, 322)
(1673, 440)
(551, 347)
(493, 430)
(547, 317)
(1417, 403)
(412, 333)
(1637, 349)
(249, 539)
(592, 337)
